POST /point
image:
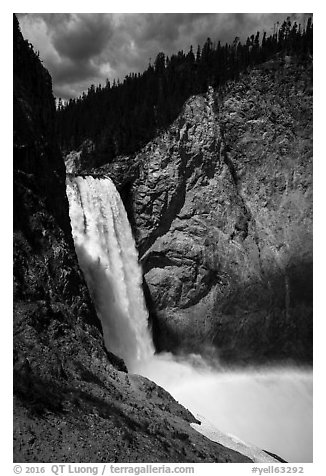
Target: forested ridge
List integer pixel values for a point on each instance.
(121, 117)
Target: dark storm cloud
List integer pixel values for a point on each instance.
(80, 49)
(82, 37)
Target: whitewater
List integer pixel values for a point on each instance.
(247, 410)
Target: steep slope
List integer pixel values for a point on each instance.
(221, 205)
(73, 400)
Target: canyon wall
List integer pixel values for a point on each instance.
(221, 207)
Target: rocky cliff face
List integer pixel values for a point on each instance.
(73, 401)
(221, 206)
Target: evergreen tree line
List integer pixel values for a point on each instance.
(121, 117)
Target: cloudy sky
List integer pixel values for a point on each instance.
(79, 49)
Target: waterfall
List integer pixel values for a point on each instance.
(109, 260)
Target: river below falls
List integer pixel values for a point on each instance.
(270, 408)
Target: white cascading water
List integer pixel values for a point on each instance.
(108, 257)
(267, 408)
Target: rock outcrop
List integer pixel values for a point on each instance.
(221, 206)
(73, 400)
